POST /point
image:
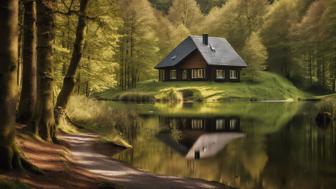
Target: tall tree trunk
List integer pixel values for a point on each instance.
(28, 92)
(18, 74)
(310, 69)
(69, 80)
(9, 154)
(43, 123)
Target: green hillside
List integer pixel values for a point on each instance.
(270, 87)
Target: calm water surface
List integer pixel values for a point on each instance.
(245, 145)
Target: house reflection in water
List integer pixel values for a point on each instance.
(201, 137)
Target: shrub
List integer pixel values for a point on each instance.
(99, 117)
(191, 95)
(169, 96)
(328, 105)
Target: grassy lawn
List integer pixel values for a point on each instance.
(270, 87)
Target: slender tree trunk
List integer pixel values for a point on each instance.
(9, 154)
(310, 69)
(323, 72)
(18, 74)
(43, 123)
(69, 80)
(28, 92)
(334, 81)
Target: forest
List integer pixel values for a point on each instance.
(60, 61)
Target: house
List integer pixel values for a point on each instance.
(201, 58)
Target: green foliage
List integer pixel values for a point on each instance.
(275, 33)
(138, 46)
(235, 21)
(98, 67)
(255, 54)
(207, 5)
(126, 39)
(185, 12)
(98, 117)
(162, 5)
(328, 105)
(169, 95)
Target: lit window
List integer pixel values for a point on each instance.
(220, 124)
(196, 124)
(233, 74)
(162, 75)
(197, 73)
(220, 74)
(184, 74)
(172, 74)
(233, 124)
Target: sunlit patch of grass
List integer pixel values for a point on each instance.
(117, 140)
(169, 95)
(269, 87)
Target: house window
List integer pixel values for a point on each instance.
(220, 74)
(233, 74)
(184, 74)
(197, 124)
(172, 74)
(197, 73)
(233, 124)
(220, 124)
(162, 75)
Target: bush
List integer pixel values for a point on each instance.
(191, 95)
(169, 96)
(99, 117)
(326, 112)
(328, 105)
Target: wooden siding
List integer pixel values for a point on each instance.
(196, 61)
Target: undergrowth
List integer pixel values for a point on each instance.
(98, 117)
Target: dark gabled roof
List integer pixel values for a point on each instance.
(218, 53)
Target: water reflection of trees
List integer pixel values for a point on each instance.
(280, 150)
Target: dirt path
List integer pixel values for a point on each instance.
(117, 172)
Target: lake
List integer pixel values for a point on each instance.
(245, 145)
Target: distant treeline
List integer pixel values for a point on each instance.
(294, 38)
(125, 39)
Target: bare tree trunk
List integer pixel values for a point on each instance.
(323, 72)
(43, 123)
(9, 153)
(310, 69)
(28, 92)
(18, 74)
(69, 80)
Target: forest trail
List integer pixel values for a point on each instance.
(87, 157)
